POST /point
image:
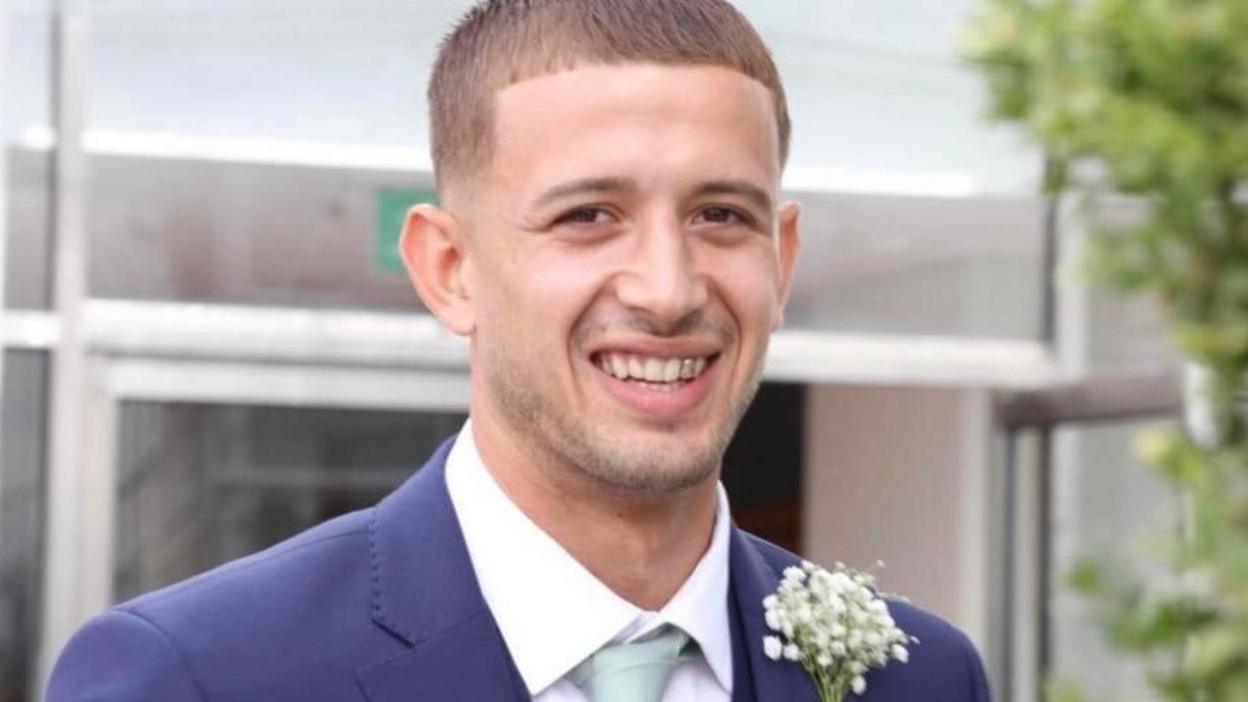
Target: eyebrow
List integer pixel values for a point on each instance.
(582, 186)
(743, 188)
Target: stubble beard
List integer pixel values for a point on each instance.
(609, 460)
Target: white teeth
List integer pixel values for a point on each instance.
(635, 368)
(651, 369)
(671, 370)
(654, 370)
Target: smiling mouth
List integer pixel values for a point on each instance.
(660, 373)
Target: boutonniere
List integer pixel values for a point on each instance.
(835, 625)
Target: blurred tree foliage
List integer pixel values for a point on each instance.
(1149, 99)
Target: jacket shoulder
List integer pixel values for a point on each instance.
(121, 656)
(220, 634)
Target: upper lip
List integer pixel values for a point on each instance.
(659, 347)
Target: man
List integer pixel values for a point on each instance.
(611, 243)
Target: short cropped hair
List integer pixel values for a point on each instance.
(502, 42)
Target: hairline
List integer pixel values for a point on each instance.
(471, 168)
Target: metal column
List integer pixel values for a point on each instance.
(71, 547)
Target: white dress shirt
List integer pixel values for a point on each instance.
(553, 613)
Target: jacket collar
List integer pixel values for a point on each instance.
(424, 593)
(753, 578)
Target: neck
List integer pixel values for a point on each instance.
(642, 546)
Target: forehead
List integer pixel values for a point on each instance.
(645, 122)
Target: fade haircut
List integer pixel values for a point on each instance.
(502, 42)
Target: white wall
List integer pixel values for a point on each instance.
(902, 475)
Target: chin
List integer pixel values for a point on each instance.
(651, 479)
(650, 462)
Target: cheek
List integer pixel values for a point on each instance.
(748, 282)
(534, 298)
(565, 280)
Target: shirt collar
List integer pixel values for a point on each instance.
(552, 612)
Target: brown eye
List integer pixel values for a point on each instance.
(584, 215)
(721, 215)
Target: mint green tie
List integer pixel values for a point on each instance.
(633, 672)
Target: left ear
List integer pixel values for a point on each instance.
(789, 242)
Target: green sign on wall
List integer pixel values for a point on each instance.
(392, 207)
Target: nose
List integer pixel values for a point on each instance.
(662, 280)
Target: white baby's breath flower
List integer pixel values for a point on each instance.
(855, 636)
(835, 604)
(835, 625)
(772, 647)
(772, 617)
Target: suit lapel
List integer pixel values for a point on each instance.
(742, 676)
(753, 578)
(467, 663)
(425, 593)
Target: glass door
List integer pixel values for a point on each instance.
(199, 484)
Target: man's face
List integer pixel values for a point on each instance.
(627, 260)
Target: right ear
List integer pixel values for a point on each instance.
(434, 254)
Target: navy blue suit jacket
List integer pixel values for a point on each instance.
(382, 605)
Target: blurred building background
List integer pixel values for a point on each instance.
(209, 345)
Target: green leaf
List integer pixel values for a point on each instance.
(1216, 650)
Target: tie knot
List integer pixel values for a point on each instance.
(633, 672)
